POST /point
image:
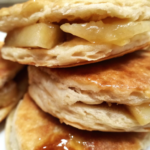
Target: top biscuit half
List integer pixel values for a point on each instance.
(71, 33)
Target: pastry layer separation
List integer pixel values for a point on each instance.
(61, 34)
(112, 95)
(46, 132)
(11, 88)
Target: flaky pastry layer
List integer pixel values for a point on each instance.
(124, 80)
(55, 11)
(46, 132)
(73, 53)
(63, 98)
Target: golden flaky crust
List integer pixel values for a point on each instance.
(8, 69)
(74, 52)
(1, 44)
(8, 89)
(11, 93)
(6, 110)
(77, 95)
(76, 10)
(124, 80)
(30, 127)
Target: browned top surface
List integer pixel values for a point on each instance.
(8, 69)
(38, 130)
(75, 10)
(131, 71)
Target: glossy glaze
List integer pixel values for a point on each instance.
(128, 72)
(116, 32)
(40, 131)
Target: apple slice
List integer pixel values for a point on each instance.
(141, 113)
(38, 35)
(114, 32)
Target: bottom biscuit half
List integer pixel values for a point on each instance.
(29, 127)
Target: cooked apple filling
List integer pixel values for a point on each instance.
(42, 35)
(141, 113)
(117, 32)
(38, 35)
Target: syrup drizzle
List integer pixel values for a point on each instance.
(65, 141)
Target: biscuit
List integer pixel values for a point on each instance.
(12, 101)
(55, 11)
(11, 93)
(8, 70)
(45, 132)
(10, 90)
(38, 31)
(78, 96)
(72, 53)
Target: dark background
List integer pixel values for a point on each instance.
(6, 3)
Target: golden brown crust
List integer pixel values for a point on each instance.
(8, 69)
(44, 131)
(11, 93)
(6, 110)
(75, 10)
(8, 130)
(105, 58)
(122, 77)
(8, 94)
(1, 44)
(73, 53)
(76, 95)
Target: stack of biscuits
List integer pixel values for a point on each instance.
(12, 87)
(89, 74)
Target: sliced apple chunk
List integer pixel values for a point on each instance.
(38, 35)
(141, 113)
(114, 32)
